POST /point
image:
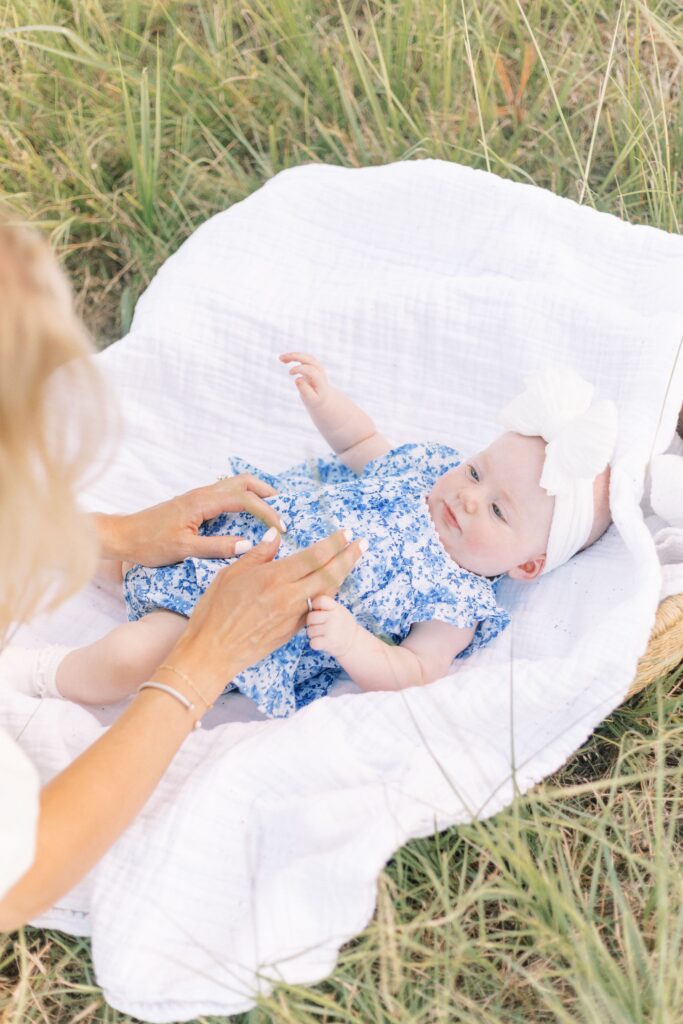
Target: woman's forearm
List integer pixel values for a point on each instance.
(247, 611)
(86, 807)
(111, 530)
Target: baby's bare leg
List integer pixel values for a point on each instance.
(114, 666)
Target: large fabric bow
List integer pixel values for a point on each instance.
(557, 407)
(581, 437)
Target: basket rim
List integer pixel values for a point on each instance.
(665, 648)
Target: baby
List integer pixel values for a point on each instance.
(442, 532)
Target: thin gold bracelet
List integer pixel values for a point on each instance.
(185, 678)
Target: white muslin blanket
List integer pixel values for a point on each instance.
(664, 503)
(428, 289)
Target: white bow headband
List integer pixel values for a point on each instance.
(581, 438)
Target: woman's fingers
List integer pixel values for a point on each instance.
(255, 605)
(168, 532)
(227, 495)
(330, 577)
(308, 560)
(266, 513)
(326, 578)
(219, 546)
(259, 487)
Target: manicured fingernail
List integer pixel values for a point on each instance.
(241, 546)
(270, 535)
(283, 526)
(363, 544)
(348, 536)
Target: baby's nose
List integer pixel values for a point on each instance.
(469, 502)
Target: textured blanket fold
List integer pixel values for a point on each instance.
(428, 289)
(664, 502)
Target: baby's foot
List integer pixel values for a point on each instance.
(32, 670)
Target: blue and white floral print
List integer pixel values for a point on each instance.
(404, 577)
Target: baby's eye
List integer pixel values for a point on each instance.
(497, 512)
(475, 475)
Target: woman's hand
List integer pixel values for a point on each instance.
(256, 605)
(250, 608)
(169, 532)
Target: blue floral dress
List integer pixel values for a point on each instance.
(404, 577)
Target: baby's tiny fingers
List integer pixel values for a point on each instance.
(301, 357)
(307, 393)
(323, 603)
(315, 632)
(305, 373)
(316, 618)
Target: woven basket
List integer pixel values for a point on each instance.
(665, 649)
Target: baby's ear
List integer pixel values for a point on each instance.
(527, 570)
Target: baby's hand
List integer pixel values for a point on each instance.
(310, 376)
(330, 627)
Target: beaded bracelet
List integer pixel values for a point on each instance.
(152, 685)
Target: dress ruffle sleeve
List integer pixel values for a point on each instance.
(422, 462)
(440, 589)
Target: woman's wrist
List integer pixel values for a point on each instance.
(208, 672)
(114, 534)
(177, 720)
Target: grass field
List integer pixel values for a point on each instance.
(125, 124)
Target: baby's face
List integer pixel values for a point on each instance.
(491, 513)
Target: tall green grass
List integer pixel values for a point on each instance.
(125, 125)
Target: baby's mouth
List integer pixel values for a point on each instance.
(449, 516)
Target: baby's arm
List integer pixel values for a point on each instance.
(425, 654)
(347, 429)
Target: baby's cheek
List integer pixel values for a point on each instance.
(479, 542)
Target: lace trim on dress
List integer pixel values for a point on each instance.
(491, 580)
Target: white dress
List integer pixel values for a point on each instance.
(20, 802)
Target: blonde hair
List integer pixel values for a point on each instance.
(54, 415)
